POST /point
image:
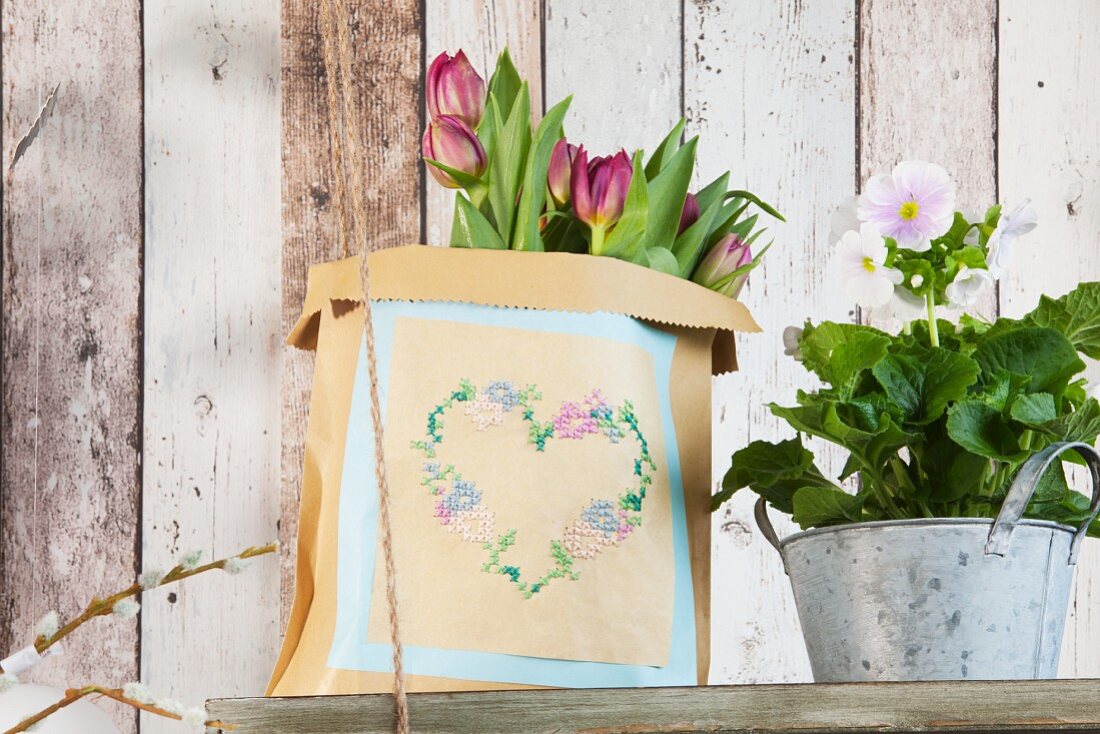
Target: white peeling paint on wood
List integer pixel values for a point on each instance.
(1049, 151)
(771, 91)
(622, 63)
(212, 342)
(481, 29)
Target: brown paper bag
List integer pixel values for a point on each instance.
(547, 436)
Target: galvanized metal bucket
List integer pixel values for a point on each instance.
(938, 599)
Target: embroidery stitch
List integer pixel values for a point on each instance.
(602, 523)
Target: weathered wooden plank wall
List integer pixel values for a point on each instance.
(157, 430)
(70, 484)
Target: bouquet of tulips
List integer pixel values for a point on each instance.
(530, 189)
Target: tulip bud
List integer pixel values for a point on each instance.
(558, 174)
(599, 191)
(454, 88)
(690, 213)
(450, 141)
(727, 255)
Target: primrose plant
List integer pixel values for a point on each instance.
(936, 420)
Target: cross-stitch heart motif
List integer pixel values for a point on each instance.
(461, 506)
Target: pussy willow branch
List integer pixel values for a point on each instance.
(102, 607)
(75, 694)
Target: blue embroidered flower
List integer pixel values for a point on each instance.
(463, 496)
(502, 393)
(601, 516)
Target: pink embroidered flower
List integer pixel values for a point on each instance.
(573, 421)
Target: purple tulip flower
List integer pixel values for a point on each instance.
(454, 88)
(727, 255)
(598, 188)
(450, 141)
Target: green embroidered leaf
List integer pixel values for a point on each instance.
(507, 164)
(1044, 355)
(667, 192)
(924, 385)
(818, 507)
(1076, 315)
(981, 429)
(839, 353)
(533, 195)
(665, 150)
(472, 229)
(1034, 409)
(625, 239)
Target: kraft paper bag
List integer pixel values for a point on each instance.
(546, 425)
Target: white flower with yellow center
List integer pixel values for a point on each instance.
(859, 262)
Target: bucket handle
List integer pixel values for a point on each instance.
(1024, 486)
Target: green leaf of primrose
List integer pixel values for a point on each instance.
(507, 164)
(625, 239)
(1081, 425)
(981, 429)
(472, 229)
(1076, 315)
(666, 197)
(662, 259)
(688, 247)
(838, 353)
(1042, 354)
(749, 196)
(773, 470)
(1033, 409)
(533, 196)
(924, 385)
(505, 83)
(818, 507)
(664, 151)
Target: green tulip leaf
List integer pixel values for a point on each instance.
(464, 179)
(666, 197)
(712, 192)
(625, 239)
(472, 229)
(662, 259)
(507, 165)
(749, 196)
(490, 126)
(665, 150)
(533, 196)
(505, 83)
(688, 247)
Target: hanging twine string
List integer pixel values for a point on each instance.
(348, 178)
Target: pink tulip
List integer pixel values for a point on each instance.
(450, 141)
(558, 174)
(690, 213)
(599, 191)
(454, 88)
(727, 255)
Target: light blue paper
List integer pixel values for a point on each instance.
(358, 521)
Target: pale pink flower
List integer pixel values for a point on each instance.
(913, 205)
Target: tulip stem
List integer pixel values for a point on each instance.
(596, 246)
(933, 328)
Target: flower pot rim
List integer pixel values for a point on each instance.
(918, 522)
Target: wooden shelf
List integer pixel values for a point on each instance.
(956, 706)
